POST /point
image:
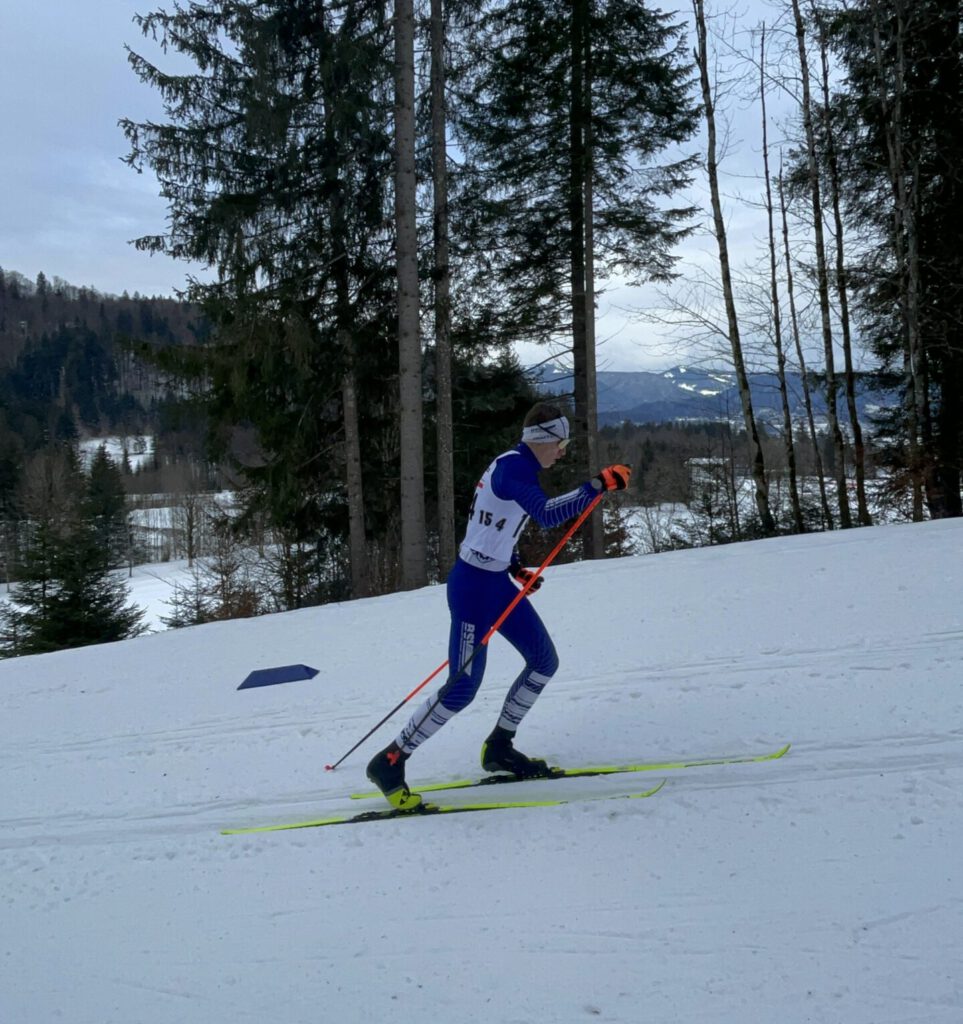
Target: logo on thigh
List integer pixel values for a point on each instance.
(467, 641)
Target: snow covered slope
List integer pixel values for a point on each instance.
(824, 887)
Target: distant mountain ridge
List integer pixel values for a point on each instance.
(692, 393)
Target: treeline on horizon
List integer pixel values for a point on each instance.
(70, 370)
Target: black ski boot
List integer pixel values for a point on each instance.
(387, 771)
(499, 755)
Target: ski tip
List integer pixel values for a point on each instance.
(646, 792)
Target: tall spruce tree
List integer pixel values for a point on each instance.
(899, 115)
(564, 111)
(275, 161)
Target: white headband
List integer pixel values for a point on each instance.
(544, 433)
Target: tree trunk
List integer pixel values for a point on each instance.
(595, 524)
(442, 280)
(354, 480)
(948, 83)
(822, 277)
(582, 360)
(950, 419)
(913, 435)
(803, 375)
(413, 555)
(906, 251)
(842, 288)
(742, 380)
(776, 313)
(360, 577)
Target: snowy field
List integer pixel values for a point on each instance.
(823, 887)
(152, 588)
(138, 450)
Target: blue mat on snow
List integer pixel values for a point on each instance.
(282, 674)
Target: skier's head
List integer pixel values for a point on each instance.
(546, 432)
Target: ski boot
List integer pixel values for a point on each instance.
(499, 755)
(387, 771)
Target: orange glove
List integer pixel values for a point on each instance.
(614, 478)
(523, 575)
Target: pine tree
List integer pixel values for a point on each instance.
(105, 507)
(66, 596)
(563, 111)
(276, 162)
(87, 604)
(188, 604)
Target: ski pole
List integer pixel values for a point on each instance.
(484, 641)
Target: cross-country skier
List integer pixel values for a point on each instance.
(480, 587)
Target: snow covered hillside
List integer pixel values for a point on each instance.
(822, 887)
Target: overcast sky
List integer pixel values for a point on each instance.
(70, 206)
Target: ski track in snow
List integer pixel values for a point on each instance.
(822, 888)
(936, 759)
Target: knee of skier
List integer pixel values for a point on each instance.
(457, 702)
(457, 697)
(546, 664)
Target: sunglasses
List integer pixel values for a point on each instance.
(563, 442)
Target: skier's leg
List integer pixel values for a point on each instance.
(475, 599)
(527, 634)
(457, 693)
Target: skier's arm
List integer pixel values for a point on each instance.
(513, 486)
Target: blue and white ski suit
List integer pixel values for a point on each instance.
(480, 588)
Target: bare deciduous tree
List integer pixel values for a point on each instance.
(758, 467)
(891, 77)
(774, 298)
(842, 284)
(822, 275)
(801, 357)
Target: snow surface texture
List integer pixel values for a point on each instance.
(825, 887)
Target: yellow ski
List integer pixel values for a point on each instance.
(578, 773)
(423, 809)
